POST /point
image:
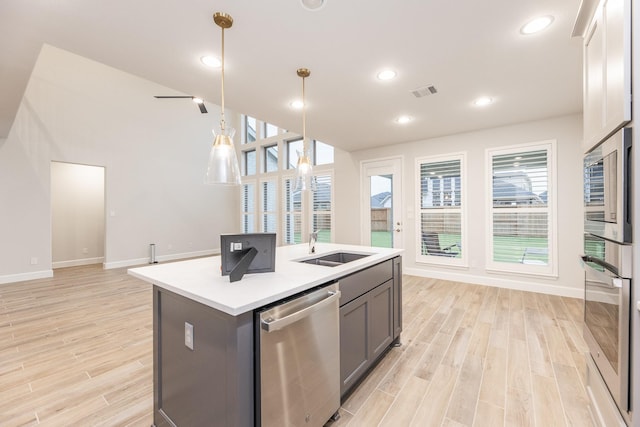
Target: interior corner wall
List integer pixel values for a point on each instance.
(154, 152)
(566, 130)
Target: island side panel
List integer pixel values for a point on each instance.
(211, 384)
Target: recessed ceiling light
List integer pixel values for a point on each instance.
(483, 101)
(536, 25)
(313, 4)
(386, 75)
(403, 120)
(297, 104)
(211, 61)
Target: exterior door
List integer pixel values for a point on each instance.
(382, 203)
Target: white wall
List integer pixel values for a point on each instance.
(568, 133)
(155, 153)
(77, 214)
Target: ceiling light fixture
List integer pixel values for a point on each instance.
(386, 75)
(403, 120)
(483, 101)
(211, 61)
(223, 162)
(313, 4)
(536, 25)
(305, 180)
(297, 104)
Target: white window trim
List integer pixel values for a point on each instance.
(550, 270)
(463, 261)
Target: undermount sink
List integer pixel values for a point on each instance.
(334, 259)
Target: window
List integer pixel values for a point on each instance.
(441, 204)
(270, 157)
(521, 215)
(292, 213)
(249, 162)
(293, 148)
(248, 207)
(323, 153)
(249, 126)
(269, 130)
(268, 222)
(322, 212)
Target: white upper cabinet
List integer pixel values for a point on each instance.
(607, 67)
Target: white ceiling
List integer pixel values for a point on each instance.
(466, 48)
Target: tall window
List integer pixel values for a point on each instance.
(249, 127)
(521, 215)
(441, 203)
(268, 201)
(268, 204)
(322, 208)
(292, 213)
(249, 162)
(270, 156)
(248, 207)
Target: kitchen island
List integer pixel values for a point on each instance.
(204, 327)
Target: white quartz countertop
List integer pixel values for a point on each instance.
(200, 279)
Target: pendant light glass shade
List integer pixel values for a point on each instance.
(223, 166)
(305, 180)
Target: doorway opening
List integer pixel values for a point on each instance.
(382, 203)
(77, 214)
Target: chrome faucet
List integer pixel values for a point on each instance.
(313, 237)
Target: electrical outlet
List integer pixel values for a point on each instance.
(188, 335)
(85, 250)
(34, 260)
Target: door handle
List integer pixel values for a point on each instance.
(398, 230)
(276, 325)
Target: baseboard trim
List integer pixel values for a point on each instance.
(160, 258)
(498, 282)
(21, 277)
(77, 262)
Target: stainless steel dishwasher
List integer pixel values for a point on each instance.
(298, 374)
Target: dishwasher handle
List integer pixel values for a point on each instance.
(275, 325)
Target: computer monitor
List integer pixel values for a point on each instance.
(247, 253)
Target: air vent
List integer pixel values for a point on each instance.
(424, 91)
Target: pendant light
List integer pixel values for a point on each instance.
(305, 180)
(223, 162)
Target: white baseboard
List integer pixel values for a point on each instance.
(160, 258)
(77, 262)
(499, 282)
(21, 277)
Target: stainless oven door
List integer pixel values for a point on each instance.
(607, 190)
(606, 313)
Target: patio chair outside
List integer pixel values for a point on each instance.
(431, 242)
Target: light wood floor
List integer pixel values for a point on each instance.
(77, 350)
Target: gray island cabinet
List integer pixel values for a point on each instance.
(204, 349)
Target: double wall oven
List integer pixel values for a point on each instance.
(608, 260)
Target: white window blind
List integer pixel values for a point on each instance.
(292, 213)
(268, 206)
(322, 208)
(248, 207)
(441, 210)
(520, 213)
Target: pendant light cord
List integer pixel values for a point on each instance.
(304, 122)
(222, 123)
